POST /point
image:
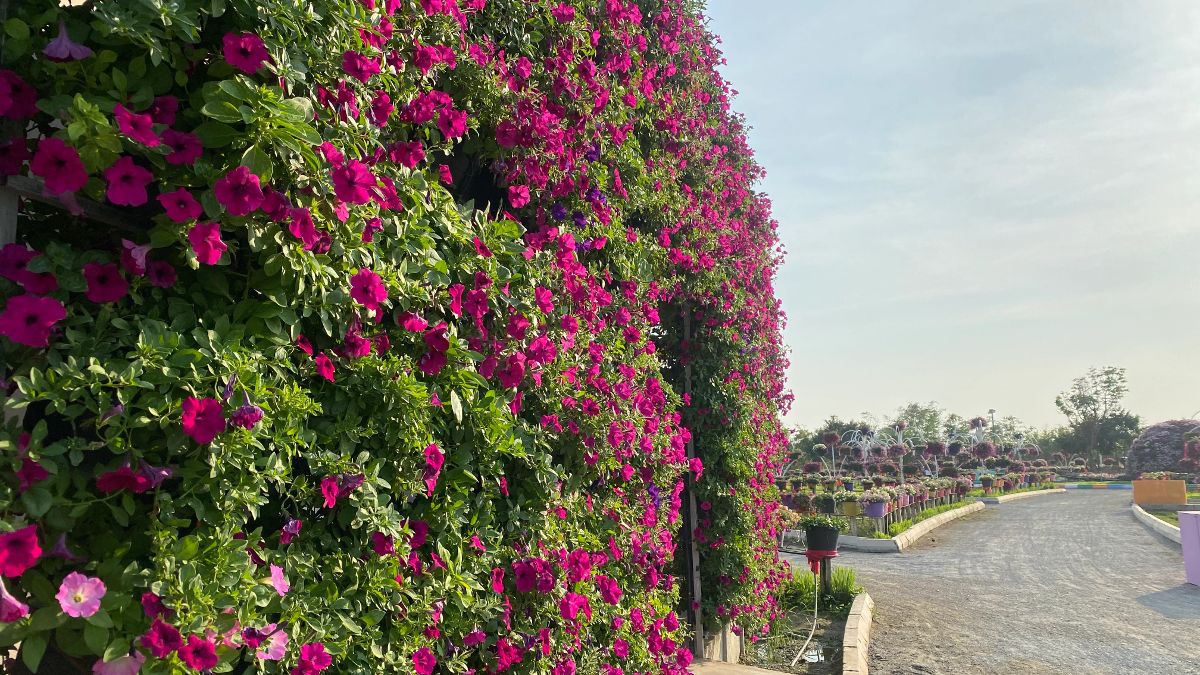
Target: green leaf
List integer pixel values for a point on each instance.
(96, 638)
(32, 650)
(216, 134)
(259, 162)
(16, 29)
(116, 649)
(236, 89)
(101, 619)
(456, 406)
(47, 618)
(119, 80)
(222, 111)
(296, 109)
(38, 501)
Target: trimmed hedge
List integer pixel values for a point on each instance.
(381, 367)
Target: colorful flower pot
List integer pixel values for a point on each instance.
(821, 538)
(849, 508)
(876, 509)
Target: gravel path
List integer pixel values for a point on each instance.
(1065, 583)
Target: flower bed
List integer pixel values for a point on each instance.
(381, 359)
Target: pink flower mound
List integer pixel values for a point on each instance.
(367, 289)
(80, 595)
(199, 653)
(239, 191)
(452, 123)
(137, 127)
(11, 609)
(206, 242)
(244, 51)
(127, 182)
(360, 66)
(19, 550)
(28, 319)
(313, 659)
(424, 661)
(203, 419)
(59, 165)
(104, 282)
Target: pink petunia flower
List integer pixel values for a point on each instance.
(239, 191)
(290, 530)
(31, 473)
(63, 49)
(11, 609)
(161, 274)
(452, 123)
(133, 257)
(207, 243)
(330, 490)
(324, 366)
(127, 182)
(278, 581)
(163, 110)
(518, 195)
(104, 282)
(203, 419)
(162, 639)
(18, 100)
(28, 319)
(353, 182)
(274, 646)
(199, 653)
(139, 127)
(13, 154)
(367, 289)
(434, 459)
(360, 66)
(180, 205)
(79, 595)
(59, 166)
(244, 51)
(185, 148)
(424, 661)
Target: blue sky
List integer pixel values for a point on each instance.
(979, 200)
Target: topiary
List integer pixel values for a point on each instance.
(1160, 447)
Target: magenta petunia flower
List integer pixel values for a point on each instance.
(161, 274)
(199, 653)
(274, 645)
(324, 366)
(59, 166)
(79, 595)
(14, 263)
(18, 100)
(424, 661)
(452, 123)
(408, 154)
(313, 659)
(239, 191)
(123, 478)
(246, 416)
(104, 282)
(133, 257)
(290, 530)
(367, 289)
(244, 51)
(185, 148)
(19, 550)
(203, 419)
(360, 66)
(206, 242)
(331, 489)
(278, 581)
(139, 127)
(153, 605)
(11, 609)
(434, 459)
(180, 205)
(162, 639)
(163, 110)
(353, 182)
(130, 664)
(127, 182)
(28, 319)
(62, 48)
(518, 195)
(13, 154)
(31, 473)
(302, 227)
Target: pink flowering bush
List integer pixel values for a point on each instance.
(382, 367)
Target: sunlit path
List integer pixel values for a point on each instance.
(1065, 583)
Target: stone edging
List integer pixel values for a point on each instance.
(857, 638)
(1159, 527)
(1020, 495)
(908, 537)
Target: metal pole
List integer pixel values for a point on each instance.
(691, 551)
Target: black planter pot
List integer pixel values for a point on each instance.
(821, 538)
(848, 485)
(829, 507)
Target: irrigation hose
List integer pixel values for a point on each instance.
(816, 597)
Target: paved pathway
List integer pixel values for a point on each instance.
(1065, 583)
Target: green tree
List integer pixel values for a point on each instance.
(924, 420)
(1092, 406)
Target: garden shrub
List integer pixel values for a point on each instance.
(380, 364)
(1160, 447)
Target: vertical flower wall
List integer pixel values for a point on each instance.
(347, 335)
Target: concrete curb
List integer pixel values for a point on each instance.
(908, 537)
(1020, 495)
(857, 639)
(1157, 526)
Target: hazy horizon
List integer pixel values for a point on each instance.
(978, 202)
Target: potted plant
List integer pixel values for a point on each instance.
(867, 484)
(802, 502)
(812, 481)
(987, 482)
(830, 483)
(824, 502)
(821, 532)
(874, 503)
(847, 503)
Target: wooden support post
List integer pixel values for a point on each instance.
(8, 216)
(826, 576)
(691, 551)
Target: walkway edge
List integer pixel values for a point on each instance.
(1157, 526)
(910, 536)
(856, 641)
(1020, 495)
